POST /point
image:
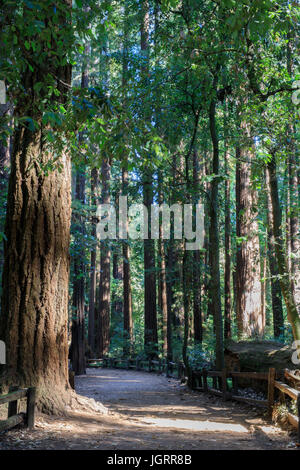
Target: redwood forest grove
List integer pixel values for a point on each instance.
(186, 109)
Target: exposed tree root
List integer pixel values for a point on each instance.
(61, 402)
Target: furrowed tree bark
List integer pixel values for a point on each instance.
(36, 268)
(248, 284)
(5, 150)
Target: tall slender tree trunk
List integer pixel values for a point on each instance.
(78, 323)
(150, 335)
(285, 281)
(248, 285)
(197, 311)
(278, 322)
(163, 304)
(186, 287)
(34, 315)
(104, 286)
(214, 248)
(127, 297)
(227, 247)
(78, 326)
(5, 150)
(293, 201)
(117, 272)
(93, 268)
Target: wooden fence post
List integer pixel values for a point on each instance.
(13, 405)
(271, 387)
(178, 370)
(204, 375)
(200, 381)
(235, 386)
(215, 383)
(224, 383)
(298, 409)
(30, 407)
(193, 381)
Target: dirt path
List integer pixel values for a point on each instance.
(148, 411)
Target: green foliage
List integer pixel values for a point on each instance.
(228, 51)
(200, 359)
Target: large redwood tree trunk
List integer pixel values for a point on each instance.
(36, 268)
(248, 285)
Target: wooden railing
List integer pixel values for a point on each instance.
(14, 418)
(220, 388)
(294, 394)
(199, 381)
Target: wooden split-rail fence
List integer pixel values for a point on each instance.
(221, 383)
(13, 417)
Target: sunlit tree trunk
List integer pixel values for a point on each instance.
(293, 201)
(285, 281)
(162, 299)
(248, 284)
(278, 322)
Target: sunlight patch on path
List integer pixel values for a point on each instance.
(195, 425)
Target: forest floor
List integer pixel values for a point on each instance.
(149, 411)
